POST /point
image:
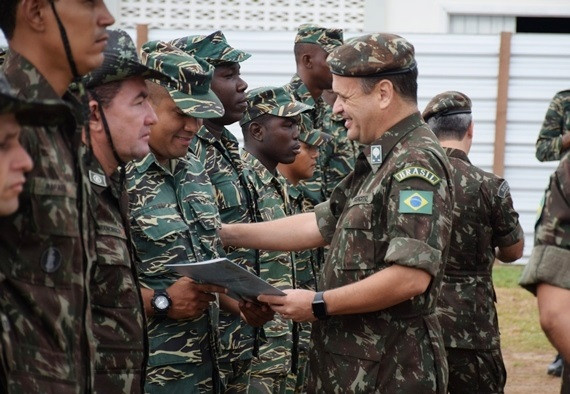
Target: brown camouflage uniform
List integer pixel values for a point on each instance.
(269, 371)
(118, 316)
(47, 255)
(484, 218)
(386, 213)
(556, 124)
(551, 253)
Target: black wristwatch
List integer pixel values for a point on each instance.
(319, 306)
(161, 303)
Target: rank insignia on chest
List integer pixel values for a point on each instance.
(376, 154)
(416, 201)
(97, 179)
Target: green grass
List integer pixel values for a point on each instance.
(518, 313)
(507, 276)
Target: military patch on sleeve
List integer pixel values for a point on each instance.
(416, 201)
(97, 179)
(503, 189)
(417, 172)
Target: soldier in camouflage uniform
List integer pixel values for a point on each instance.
(173, 220)
(15, 162)
(312, 46)
(485, 226)
(306, 261)
(217, 148)
(270, 129)
(121, 117)
(388, 224)
(554, 137)
(45, 246)
(547, 273)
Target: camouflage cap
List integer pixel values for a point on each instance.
(30, 113)
(213, 48)
(311, 136)
(121, 62)
(328, 39)
(190, 81)
(373, 55)
(447, 103)
(273, 101)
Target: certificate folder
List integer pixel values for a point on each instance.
(241, 284)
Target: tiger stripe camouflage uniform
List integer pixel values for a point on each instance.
(278, 357)
(234, 198)
(306, 266)
(484, 219)
(47, 254)
(339, 155)
(395, 208)
(269, 371)
(174, 220)
(556, 124)
(328, 39)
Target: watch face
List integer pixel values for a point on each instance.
(161, 302)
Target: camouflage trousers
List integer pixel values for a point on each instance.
(269, 372)
(181, 378)
(297, 383)
(476, 371)
(236, 375)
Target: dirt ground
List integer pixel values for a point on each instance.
(526, 373)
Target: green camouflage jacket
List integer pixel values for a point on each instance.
(556, 124)
(118, 315)
(337, 157)
(273, 203)
(313, 188)
(234, 198)
(306, 265)
(394, 208)
(173, 220)
(483, 219)
(46, 320)
(553, 224)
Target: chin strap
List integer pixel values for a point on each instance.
(81, 92)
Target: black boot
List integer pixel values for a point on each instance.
(555, 367)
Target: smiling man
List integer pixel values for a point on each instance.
(270, 131)
(47, 244)
(374, 322)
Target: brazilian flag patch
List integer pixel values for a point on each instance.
(416, 201)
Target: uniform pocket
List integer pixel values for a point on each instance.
(358, 237)
(49, 251)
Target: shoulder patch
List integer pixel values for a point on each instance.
(417, 172)
(416, 201)
(97, 179)
(503, 189)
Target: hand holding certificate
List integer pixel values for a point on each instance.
(241, 284)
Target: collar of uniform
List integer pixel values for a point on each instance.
(391, 137)
(263, 173)
(144, 164)
(204, 134)
(457, 153)
(35, 87)
(98, 180)
(293, 191)
(298, 88)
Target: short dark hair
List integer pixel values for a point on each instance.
(106, 93)
(261, 120)
(8, 10)
(450, 127)
(406, 84)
